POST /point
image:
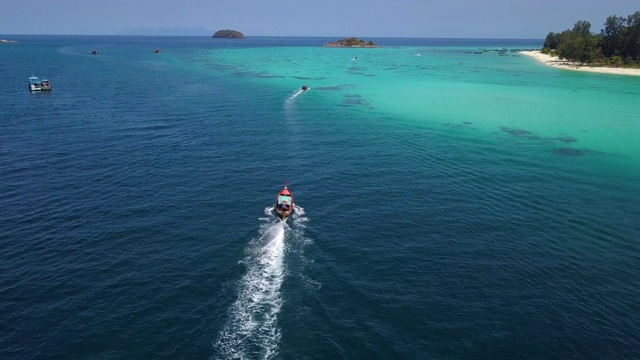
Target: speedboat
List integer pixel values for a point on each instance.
(284, 203)
(305, 87)
(35, 84)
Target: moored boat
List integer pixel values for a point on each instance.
(35, 84)
(284, 203)
(45, 85)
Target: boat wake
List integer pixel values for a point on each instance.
(290, 102)
(251, 331)
(295, 94)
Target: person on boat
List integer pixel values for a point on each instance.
(284, 206)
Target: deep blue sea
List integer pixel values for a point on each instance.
(452, 202)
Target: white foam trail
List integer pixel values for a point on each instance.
(251, 331)
(294, 95)
(299, 218)
(288, 103)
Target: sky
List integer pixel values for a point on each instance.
(521, 19)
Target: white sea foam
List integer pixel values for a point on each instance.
(251, 331)
(292, 97)
(299, 218)
(269, 213)
(289, 102)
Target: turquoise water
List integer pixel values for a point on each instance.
(448, 204)
(421, 84)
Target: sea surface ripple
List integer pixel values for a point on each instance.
(442, 211)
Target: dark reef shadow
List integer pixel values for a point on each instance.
(335, 88)
(460, 125)
(520, 133)
(354, 100)
(308, 78)
(563, 139)
(567, 139)
(569, 152)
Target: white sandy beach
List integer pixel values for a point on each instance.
(563, 64)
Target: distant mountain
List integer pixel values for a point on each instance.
(170, 31)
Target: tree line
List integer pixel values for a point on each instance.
(617, 44)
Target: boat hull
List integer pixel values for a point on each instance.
(283, 215)
(284, 205)
(39, 88)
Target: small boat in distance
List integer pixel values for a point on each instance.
(284, 203)
(94, 52)
(156, 51)
(305, 87)
(35, 84)
(45, 85)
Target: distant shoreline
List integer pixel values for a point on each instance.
(567, 65)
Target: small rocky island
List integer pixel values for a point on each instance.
(351, 42)
(228, 34)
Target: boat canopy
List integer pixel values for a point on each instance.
(283, 198)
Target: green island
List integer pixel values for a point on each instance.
(228, 34)
(351, 42)
(617, 45)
